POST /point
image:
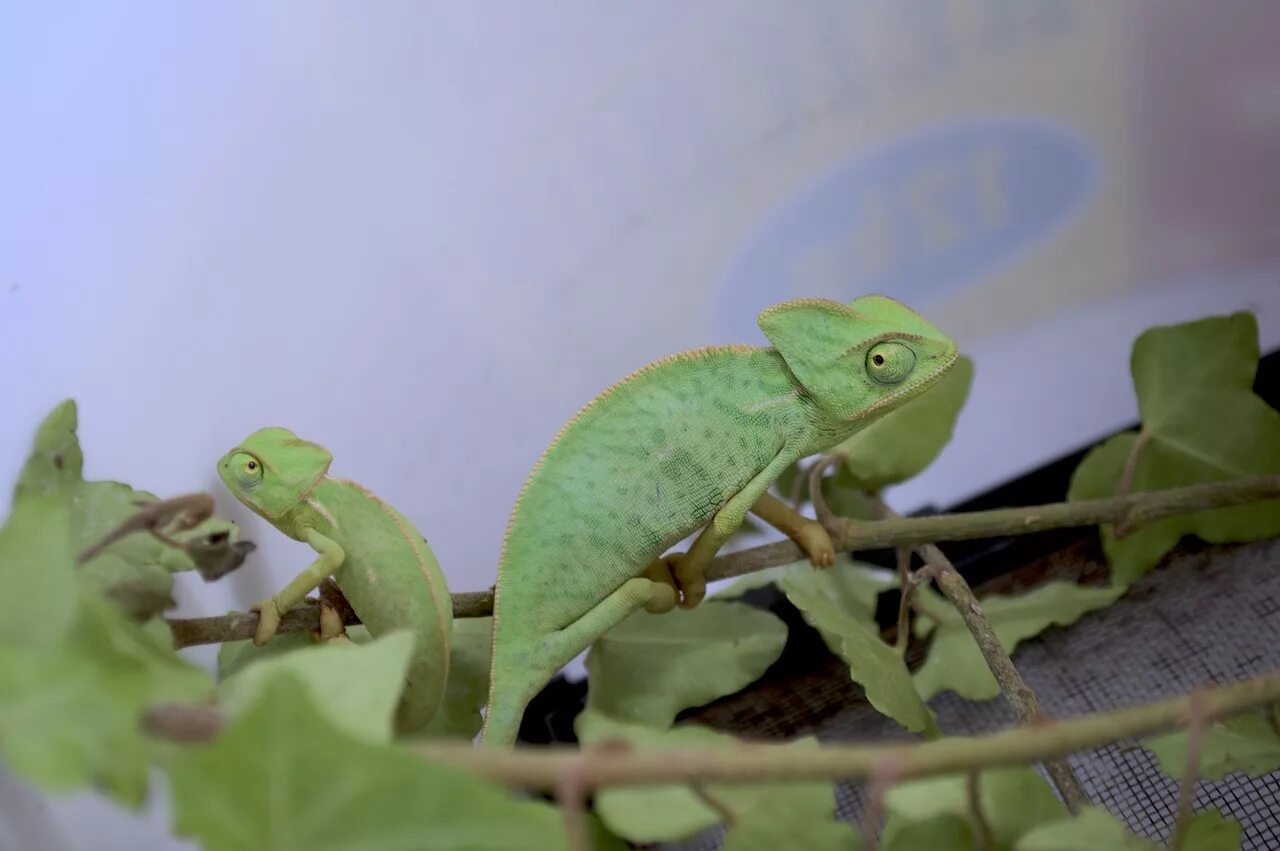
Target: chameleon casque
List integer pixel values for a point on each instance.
(379, 560)
(689, 442)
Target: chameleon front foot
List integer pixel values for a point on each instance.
(816, 542)
(268, 620)
(690, 579)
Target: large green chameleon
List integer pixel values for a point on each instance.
(689, 442)
(379, 560)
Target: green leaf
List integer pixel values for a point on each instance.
(1210, 831)
(955, 662)
(281, 776)
(839, 604)
(1093, 828)
(650, 667)
(37, 573)
(468, 686)
(668, 813)
(902, 443)
(1181, 373)
(356, 686)
(854, 584)
(771, 826)
(54, 471)
(1013, 801)
(69, 713)
(942, 833)
(1246, 743)
(235, 656)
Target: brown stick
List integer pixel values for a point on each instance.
(542, 767)
(847, 535)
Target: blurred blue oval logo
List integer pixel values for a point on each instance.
(925, 214)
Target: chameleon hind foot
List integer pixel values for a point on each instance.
(690, 578)
(331, 626)
(661, 572)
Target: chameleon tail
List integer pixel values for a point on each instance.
(519, 672)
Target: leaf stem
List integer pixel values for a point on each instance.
(1196, 723)
(848, 535)
(542, 767)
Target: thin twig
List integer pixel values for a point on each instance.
(570, 792)
(1021, 697)
(884, 773)
(1196, 723)
(973, 791)
(1127, 475)
(721, 809)
(907, 581)
(542, 767)
(828, 518)
(850, 536)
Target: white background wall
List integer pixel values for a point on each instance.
(425, 234)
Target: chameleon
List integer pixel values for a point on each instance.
(689, 442)
(377, 557)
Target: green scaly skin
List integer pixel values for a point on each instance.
(379, 560)
(690, 442)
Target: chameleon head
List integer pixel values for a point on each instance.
(858, 360)
(272, 470)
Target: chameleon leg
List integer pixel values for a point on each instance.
(272, 608)
(692, 567)
(331, 626)
(519, 676)
(809, 534)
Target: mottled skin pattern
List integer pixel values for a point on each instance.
(378, 558)
(689, 442)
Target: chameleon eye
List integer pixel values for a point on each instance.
(890, 363)
(247, 468)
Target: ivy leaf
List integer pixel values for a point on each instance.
(650, 667)
(281, 776)
(1246, 743)
(840, 608)
(1013, 801)
(1180, 372)
(54, 470)
(1208, 830)
(855, 585)
(356, 686)
(468, 686)
(955, 662)
(668, 813)
(1093, 828)
(37, 573)
(942, 833)
(69, 712)
(771, 826)
(235, 656)
(902, 443)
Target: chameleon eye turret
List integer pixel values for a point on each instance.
(890, 362)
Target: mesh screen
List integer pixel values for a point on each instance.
(1206, 616)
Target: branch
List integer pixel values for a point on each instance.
(542, 768)
(1022, 698)
(848, 535)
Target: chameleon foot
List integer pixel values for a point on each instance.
(268, 620)
(814, 539)
(331, 626)
(661, 572)
(691, 581)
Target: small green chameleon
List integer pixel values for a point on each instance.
(689, 442)
(379, 560)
